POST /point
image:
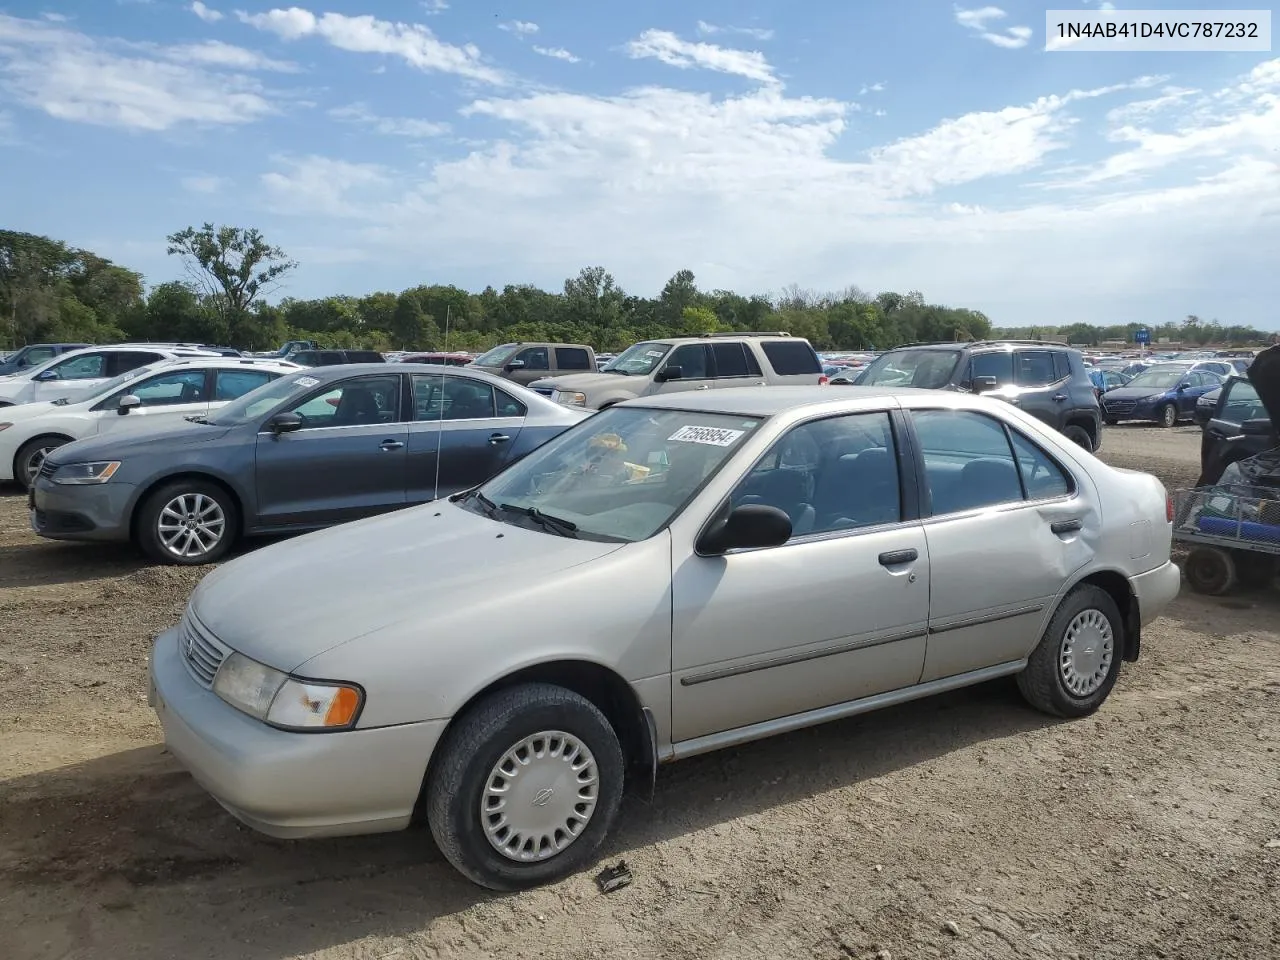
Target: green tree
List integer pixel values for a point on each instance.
(231, 266)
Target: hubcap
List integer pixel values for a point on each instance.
(191, 524)
(1170, 416)
(539, 796)
(1087, 650)
(37, 461)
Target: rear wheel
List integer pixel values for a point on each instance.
(526, 786)
(1075, 665)
(30, 458)
(1211, 571)
(1079, 436)
(1167, 416)
(188, 522)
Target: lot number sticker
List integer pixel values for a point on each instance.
(713, 436)
(306, 382)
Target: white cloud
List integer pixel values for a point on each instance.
(218, 54)
(670, 49)
(518, 26)
(979, 20)
(556, 53)
(411, 42)
(320, 185)
(433, 7)
(389, 126)
(56, 17)
(203, 183)
(206, 14)
(872, 88)
(710, 29)
(73, 77)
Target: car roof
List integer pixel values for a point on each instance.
(216, 360)
(768, 401)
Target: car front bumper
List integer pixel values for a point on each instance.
(1156, 589)
(284, 784)
(81, 512)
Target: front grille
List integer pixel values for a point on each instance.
(47, 469)
(1119, 406)
(201, 652)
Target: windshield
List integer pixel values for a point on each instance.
(620, 476)
(496, 357)
(257, 403)
(1157, 379)
(930, 369)
(638, 359)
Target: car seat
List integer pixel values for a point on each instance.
(987, 481)
(357, 406)
(858, 490)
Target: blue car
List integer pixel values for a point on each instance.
(1162, 395)
(1104, 380)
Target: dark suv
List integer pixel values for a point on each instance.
(334, 358)
(1047, 380)
(1243, 421)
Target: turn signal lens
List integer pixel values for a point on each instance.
(307, 706)
(823, 380)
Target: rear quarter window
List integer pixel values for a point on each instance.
(791, 358)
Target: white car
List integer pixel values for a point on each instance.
(72, 374)
(163, 392)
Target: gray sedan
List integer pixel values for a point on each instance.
(307, 451)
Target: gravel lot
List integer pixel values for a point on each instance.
(966, 826)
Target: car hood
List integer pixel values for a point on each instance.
(25, 411)
(120, 444)
(1264, 374)
(1133, 393)
(291, 601)
(590, 381)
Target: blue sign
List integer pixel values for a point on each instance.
(1142, 335)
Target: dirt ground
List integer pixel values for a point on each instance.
(966, 826)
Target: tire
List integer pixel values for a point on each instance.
(1079, 436)
(29, 457)
(1255, 571)
(1167, 416)
(188, 498)
(1086, 620)
(469, 757)
(1210, 571)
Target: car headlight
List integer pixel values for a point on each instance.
(99, 471)
(283, 701)
(571, 398)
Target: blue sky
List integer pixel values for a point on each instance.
(899, 145)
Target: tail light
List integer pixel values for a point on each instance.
(823, 380)
(1168, 509)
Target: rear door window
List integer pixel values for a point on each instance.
(1061, 365)
(233, 384)
(733, 360)
(573, 358)
(790, 358)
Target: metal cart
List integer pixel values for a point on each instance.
(1234, 531)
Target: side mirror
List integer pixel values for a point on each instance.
(984, 384)
(284, 423)
(514, 365)
(670, 372)
(127, 403)
(750, 525)
(1183, 386)
(1261, 427)
(45, 376)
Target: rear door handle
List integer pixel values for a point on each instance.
(1066, 526)
(896, 558)
(498, 438)
(392, 444)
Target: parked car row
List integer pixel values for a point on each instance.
(73, 372)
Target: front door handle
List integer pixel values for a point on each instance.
(496, 438)
(1059, 397)
(392, 444)
(896, 558)
(1066, 526)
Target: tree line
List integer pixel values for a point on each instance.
(50, 291)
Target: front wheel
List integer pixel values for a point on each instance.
(526, 786)
(187, 523)
(1075, 665)
(1167, 416)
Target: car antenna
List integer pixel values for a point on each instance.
(448, 314)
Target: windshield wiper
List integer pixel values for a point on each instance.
(552, 524)
(199, 419)
(490, 508)
(61, 402)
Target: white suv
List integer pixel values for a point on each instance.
(713, 361)
(71, 374)
(160, 393)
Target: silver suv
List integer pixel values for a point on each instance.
(712, 361)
